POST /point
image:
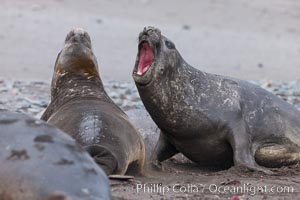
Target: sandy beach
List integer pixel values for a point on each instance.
(251, 40)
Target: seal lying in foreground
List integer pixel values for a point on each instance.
(40, 162)
(80, 107)
(213, 120)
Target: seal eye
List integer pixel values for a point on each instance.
(169, 44)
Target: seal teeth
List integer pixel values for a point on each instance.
(145, 58)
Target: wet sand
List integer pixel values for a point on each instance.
(250, 40)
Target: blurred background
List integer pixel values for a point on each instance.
(252, 40)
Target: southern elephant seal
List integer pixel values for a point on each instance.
(81, 107)
(40, 162)
(211, 119)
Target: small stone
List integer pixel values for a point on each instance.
(122, 96)
(186, 27)
(99, 21)
(267, 85)
(260, 65)
(128, 92)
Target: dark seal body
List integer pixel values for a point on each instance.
(40, 162)
(213, 120)
(81, 107)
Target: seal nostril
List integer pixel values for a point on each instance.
(70, 35)
(74, 38)
(145, 34)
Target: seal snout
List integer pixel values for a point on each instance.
(151, 33)
(78, 35)
(148, 39)
(150, 29)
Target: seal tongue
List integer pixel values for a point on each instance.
(145, 59)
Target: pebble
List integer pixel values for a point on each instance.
(33, 97)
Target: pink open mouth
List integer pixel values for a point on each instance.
(145, 58)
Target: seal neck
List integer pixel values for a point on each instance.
(68, 87)
(71, 86)
(173, 94)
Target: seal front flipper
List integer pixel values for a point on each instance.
(162, 151)
(241, 144)
(103, 157)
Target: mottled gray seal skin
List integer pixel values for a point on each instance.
(40, 162)
(80, 107)
(213, 120)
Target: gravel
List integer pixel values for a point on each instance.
(33, 97)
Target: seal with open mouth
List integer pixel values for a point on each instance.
(40, 162)
(80, 107)
(213, 120)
